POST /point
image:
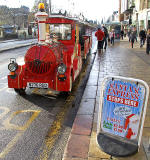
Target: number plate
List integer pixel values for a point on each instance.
(37, 85)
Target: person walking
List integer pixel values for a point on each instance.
(136, 34)
(132, 37)
(100, 36)
(129, 32)
(122, 34)
(142, 36)
(148, 41)
(112, 37)
(105, 37)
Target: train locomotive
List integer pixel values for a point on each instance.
(56, 60)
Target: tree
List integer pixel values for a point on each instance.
(5, 15)
(14, 16)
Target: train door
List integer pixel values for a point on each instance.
(77, 62)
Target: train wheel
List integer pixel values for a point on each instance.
(20, 91)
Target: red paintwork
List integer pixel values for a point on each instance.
(41, 61)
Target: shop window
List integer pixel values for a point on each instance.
(148, 23)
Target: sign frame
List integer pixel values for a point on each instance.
(143, 109)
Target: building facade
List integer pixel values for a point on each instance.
(134, 13)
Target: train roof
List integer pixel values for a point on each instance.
(77, 20)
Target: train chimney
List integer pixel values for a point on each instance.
(41, 17)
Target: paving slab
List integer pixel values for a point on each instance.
(74, 159)
(86, 107)
(94, 150)
(82, 125)
(92, 158)
(146, 145)
(78, 146)
(90, 92)
(147, 121)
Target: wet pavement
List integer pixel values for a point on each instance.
(117, 60)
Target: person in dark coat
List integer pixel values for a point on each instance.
(142, 36)
(106, 36)
(148, 41)
(132, 37)
(122, 34)
(100, 36)
(129, 32)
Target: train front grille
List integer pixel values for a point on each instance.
(39, 67)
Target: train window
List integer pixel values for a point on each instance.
(81, 39)
(62, 31)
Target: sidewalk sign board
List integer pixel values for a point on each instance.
(122, 109)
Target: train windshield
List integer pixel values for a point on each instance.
(62, 31)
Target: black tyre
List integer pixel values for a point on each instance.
(20, 91)
(64, 94)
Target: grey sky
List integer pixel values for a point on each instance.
(95, 9)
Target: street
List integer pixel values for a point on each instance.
(8, 44)
(37, 126)
(18, 113)
(32, 126)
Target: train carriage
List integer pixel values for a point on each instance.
(56, 61)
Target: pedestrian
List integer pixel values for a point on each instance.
(100, 36)
(112, 37)
(132, 37)
(105, 37)
(122, 34)
(148, 41)
(135, 33)
(24, 35)
(142, 36)
(129, 32)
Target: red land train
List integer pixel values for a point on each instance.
(56, 61)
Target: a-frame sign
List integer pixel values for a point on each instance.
(122, 109)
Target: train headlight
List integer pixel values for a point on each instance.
(61, 68)
(13, 66)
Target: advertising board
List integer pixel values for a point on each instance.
(123, 103)
(122, 110)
